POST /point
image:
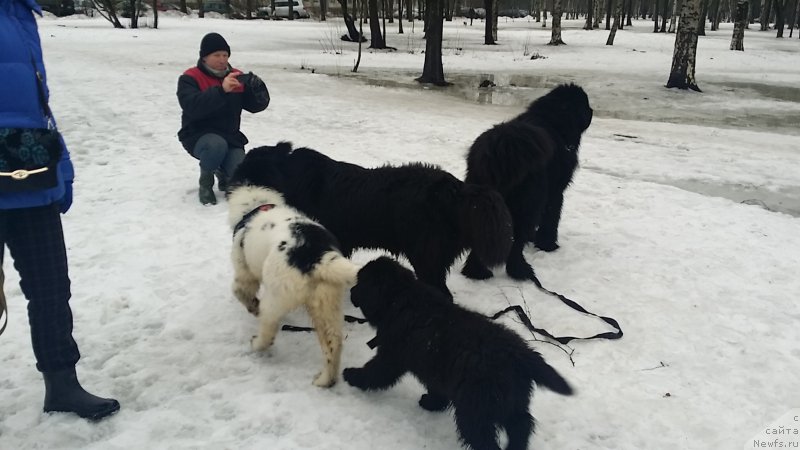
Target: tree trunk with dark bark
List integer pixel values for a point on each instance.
(766, 8)
(433, 70)
(737, 41)
(376, 37)
(684, 58)
(589, 17)
(613, 32)
(555, 33)
(488, 36)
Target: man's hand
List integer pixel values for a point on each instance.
(231, 82)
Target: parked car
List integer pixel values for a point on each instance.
(219, 7)
(512, 12)
(282, 10)
(60, 8)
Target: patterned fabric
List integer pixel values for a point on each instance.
(36, 242)
(20, 106)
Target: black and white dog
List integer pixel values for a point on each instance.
(481, 368)
(294, 261)
(417, 210)
(530, 161)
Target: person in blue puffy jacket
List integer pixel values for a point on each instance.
(30, 222)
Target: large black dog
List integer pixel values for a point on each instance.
(481, 368)
(416, 210)
(530, 160)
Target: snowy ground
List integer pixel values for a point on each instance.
(654, 234)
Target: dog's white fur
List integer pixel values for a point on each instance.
(261, 261)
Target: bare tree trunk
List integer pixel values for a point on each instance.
(341, 2)
(495, 8)
(323, 10)
(701, 23)
(628, 22)
(765, 13)
(488, 37)
(655, 17)
(780, 16)
(376, 37)
(714, 13)
(598, 13)
(589, 18)
(433, 71)
(664, 12)
(201, 11)
(555, 34)
(681, 73)
(608, 14)
(796, 12)
(291, 8)
(737, 41)
(360, 35)
(400, 16)
(183, 7)
(613, 32)
(155, 14)
(673, 20)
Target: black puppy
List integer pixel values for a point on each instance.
(416, 210)
(481, 368)
(530, 161)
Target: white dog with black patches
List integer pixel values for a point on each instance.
(294, 261)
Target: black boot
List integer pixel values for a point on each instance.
(63, 393)
(207, 188)
(222, 181)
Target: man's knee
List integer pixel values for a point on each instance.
(210, 150)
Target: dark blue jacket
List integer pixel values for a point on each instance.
(19, 96)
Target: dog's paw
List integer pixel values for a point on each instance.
(476, 272)
(433, 402)
(324, 379)
(547, 246)
(253, 306)
(260, 344)
(353, 377)
(520, 270)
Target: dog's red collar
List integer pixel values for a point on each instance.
(241, 224)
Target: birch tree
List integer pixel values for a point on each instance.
(617, 13)
(433, 70)
(684, 57)
(740, 21)
(555, 33)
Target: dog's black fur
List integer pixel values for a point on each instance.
(416, 210)
(481, 368)
(530, 160)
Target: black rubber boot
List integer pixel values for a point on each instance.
(63, 393)
(222, 181)
(206, 190)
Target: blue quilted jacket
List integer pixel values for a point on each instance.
(19, 96)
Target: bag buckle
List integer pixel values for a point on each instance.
(21, 174)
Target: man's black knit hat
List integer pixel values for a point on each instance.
(213, 42)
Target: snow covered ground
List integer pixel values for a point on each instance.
(655, 233)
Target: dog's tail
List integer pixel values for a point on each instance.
(488, 223)
(545, 375)
(335, 268)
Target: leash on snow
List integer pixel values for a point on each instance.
(611, 335)
(523, 317)
(347, 318)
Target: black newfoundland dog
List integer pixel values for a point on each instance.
(416, 210)
(530, 160)
(481, 368)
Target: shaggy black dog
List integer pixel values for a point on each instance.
(416, 210)
(530, 160)
(481, 368)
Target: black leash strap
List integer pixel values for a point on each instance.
(572, 304)
(347, 318)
